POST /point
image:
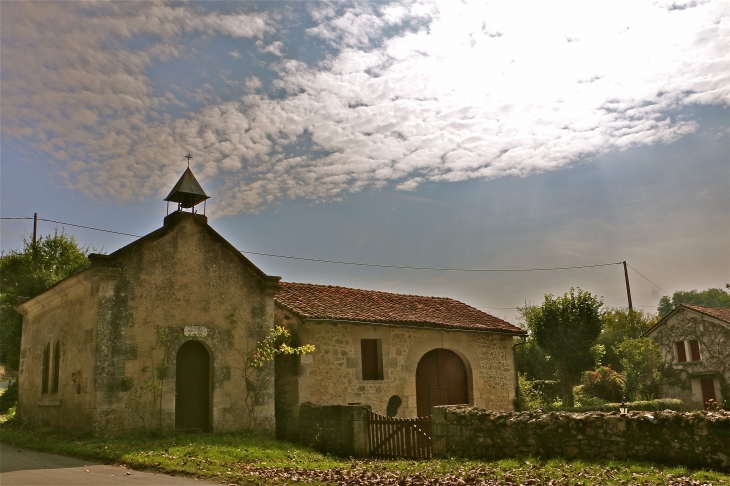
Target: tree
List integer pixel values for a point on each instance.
(619, 325)
(641, 361)
(567, 328)
(25, 273)
(531, 360)
(709, 298)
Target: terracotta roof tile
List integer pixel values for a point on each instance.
(722, 313)
(341, 303)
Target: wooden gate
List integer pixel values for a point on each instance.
(392, 438)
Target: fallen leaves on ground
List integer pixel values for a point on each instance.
(359, 475)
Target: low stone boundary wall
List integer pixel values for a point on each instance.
(696, 439)
(337, 429)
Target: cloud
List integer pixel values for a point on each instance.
(76, 86)
(273, 48)
(407, 93)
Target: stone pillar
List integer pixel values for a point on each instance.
(358, 420)
(438, 431)
(337, 429)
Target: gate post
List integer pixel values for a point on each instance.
(360, 437)
(438, 432)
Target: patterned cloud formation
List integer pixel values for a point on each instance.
(399, 95)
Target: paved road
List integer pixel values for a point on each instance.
(22, 467)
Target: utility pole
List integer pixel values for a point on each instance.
(628, 289)
(35, 229)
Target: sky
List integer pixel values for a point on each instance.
(471, 135)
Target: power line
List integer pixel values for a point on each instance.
(79, 226)
(404, 267)
(655, 285)
(400, 267)
(89, 227)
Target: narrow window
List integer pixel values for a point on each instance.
(681, 352)
(372, 359)
(694, 348)
(46, 366)
(56, 366)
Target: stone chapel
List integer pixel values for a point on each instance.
(158, 335)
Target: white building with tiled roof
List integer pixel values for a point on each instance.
(695, 342)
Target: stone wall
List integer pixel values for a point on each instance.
(335, 429)
(65, 314)
(183, 274)
(696, 439)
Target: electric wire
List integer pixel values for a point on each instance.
(400, 267)
(444, 269)
(377, 265)
(79, 226)
(655, 285)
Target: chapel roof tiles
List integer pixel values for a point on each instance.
(312, 301)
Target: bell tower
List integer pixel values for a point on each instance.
(187, 193)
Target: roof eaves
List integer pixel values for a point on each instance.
(410, 325)
(674, 311)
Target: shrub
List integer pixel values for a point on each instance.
(584, 400)
(537, 394)
(604, 383)
(9, 398)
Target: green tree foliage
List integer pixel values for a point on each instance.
(567, 328)
(619, 325)
(709, 298)
(25, 273)
(641, 361)
(533, 363)
(531, 360)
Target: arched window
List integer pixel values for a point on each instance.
(46, 366)
(56, 366)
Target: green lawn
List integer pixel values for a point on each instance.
(256, 459)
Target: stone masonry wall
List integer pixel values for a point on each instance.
(696, 439)
(180, 276)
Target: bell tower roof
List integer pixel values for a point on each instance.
(187, 192)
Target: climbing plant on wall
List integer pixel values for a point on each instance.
(257, 356)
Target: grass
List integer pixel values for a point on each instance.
(258, 459)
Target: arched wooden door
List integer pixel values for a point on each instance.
(440, 380)
(192, 387)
